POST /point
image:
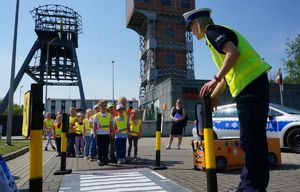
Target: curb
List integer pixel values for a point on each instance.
(15, 154)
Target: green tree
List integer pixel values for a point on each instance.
(292, 61)
(17, 110)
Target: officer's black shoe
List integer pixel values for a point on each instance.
(100, 163)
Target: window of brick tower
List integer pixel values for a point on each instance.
(169, 33)
(143, 1)
(166, 2)
(185, 4)
(170, 59)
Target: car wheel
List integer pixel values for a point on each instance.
(272, 159)
(221, 163)
(293, 140)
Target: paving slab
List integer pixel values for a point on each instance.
(179, 162)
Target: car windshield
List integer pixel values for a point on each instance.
(285, 109)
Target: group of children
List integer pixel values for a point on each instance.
(102, 131)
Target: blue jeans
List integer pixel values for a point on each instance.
(93, 150)
(121, 148)
(252, 107)
(87, 143)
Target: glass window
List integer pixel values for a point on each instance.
(185, 4)
(274, 113)
(170, 59)
(285, 109)
(169, 33)
(226, 112)
(143, 1)
(166, 2)
(73, 103)
(63, 103)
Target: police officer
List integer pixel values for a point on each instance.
(245, 72)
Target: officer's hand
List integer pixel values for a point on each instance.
(208, 88)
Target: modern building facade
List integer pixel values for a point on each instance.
(59, 104)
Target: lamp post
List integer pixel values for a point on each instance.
(47, 70)
(113, 82)
(20, 95)
(12, 79)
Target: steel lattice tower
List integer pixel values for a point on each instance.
(57, 28)
(166, 49)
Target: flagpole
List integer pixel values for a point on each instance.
(281, 89)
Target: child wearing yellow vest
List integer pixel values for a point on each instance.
(87, 127)
(102, 132)
(48, 123)
(121, 130)
(57, 126)
(135, 133)
(71, 134)
(78, 130)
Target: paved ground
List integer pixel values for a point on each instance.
(179, 163)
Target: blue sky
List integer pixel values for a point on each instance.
(266, 24)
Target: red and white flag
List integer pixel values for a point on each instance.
(279, 77)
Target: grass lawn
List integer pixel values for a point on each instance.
(17, 144)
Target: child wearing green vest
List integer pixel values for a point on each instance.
(121, 130)
(78, 130)
(87, 126)
(70, 133)
(102, 132)
(48, 123)
(57, 126)
(135, 133)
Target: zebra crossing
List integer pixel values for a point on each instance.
(119, 181)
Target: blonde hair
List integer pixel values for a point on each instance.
(122, 99)
(88, 112)
(101, 102)
(203, 22)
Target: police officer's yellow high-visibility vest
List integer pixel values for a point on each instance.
(57, 129)
(121, 125)
(248, 67)
(48, 123)
(78, 128)
(134, 127)
(104, 121)
(87, 125)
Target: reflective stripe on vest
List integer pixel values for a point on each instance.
(87, 125)
(57, 129)
(48, 123)
(248, 67)
(121, 125)
(78, 128)
(104, 121)
(134, 128)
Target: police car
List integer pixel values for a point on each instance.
(283, 122)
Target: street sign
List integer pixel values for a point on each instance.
(26, 114)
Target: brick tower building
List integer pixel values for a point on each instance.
(166, 49)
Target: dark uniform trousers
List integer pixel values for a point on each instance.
(252, 107)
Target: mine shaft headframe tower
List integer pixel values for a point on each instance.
(166, 49)
(56, 63)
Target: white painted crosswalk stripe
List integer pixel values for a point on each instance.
(112, 179)
(112, 182)
(118, 182)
